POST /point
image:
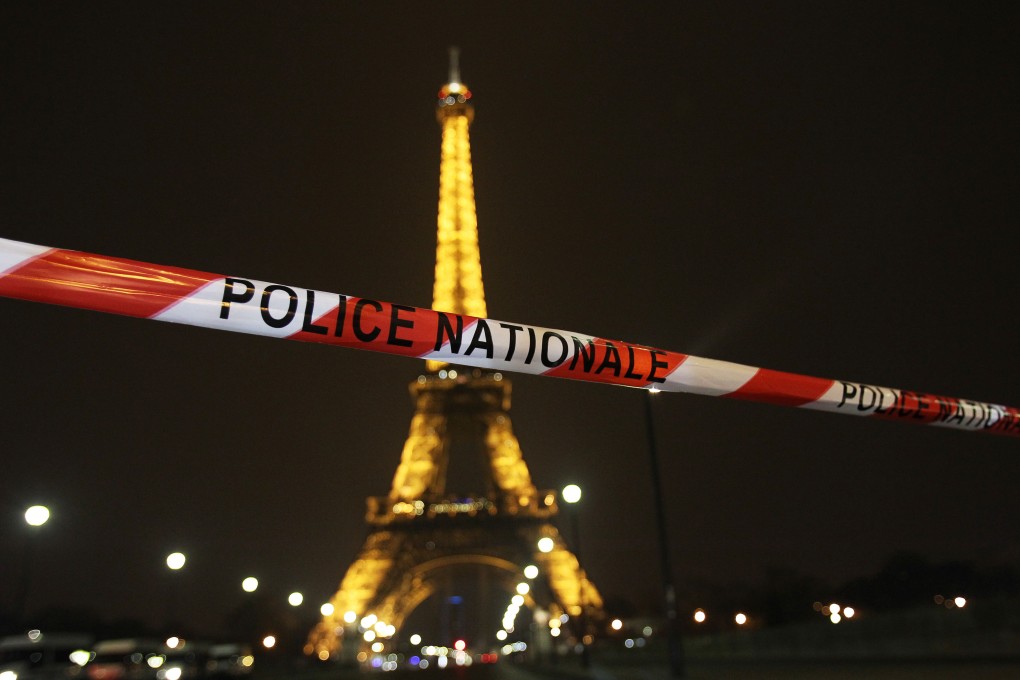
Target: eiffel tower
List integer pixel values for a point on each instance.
(422, 535)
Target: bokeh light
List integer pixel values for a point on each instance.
(571, 493)
(37, 515)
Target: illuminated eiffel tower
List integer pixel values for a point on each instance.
(423, 535)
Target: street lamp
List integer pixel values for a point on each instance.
(674, 645)
(174, 562)
(35, 517)
(571, 495)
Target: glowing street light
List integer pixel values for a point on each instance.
(740, 618)
(37, 515)
(250, 584)
(700, 616)
(530, 571)
(571, 493)
(546, 544)
(295, 599)
(175, 561)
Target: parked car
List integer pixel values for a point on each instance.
(229, 661)
(43, 656)
(187, 661)
(128, 659)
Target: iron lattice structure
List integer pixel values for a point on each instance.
(421, 531)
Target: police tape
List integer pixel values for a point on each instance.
(163, 293)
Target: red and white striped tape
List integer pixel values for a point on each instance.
(119, 286)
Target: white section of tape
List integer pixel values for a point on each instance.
(708, 376)
(205, 307)
(835, 400)
(523, 339)
(14, 253)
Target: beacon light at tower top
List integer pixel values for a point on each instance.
(243, 305)
(453, 93)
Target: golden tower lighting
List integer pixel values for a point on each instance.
(458, 282)
(421, 533)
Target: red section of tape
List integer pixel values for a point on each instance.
(104, 284)
(379, 326)
(611, 361)
(1010, 424)
(785, 389)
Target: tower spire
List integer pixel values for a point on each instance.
(454, 64)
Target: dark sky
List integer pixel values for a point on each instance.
(827, 188)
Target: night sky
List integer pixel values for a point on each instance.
(827, 188)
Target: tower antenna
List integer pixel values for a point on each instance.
(454, 64)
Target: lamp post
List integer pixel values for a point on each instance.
(571, 495)
(174, 562)
(35, 517)
(674, 645)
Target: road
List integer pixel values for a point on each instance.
(700, 670)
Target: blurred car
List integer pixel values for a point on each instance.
(128, 659)
(229, 661)
(188, 661)
(39, 656)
